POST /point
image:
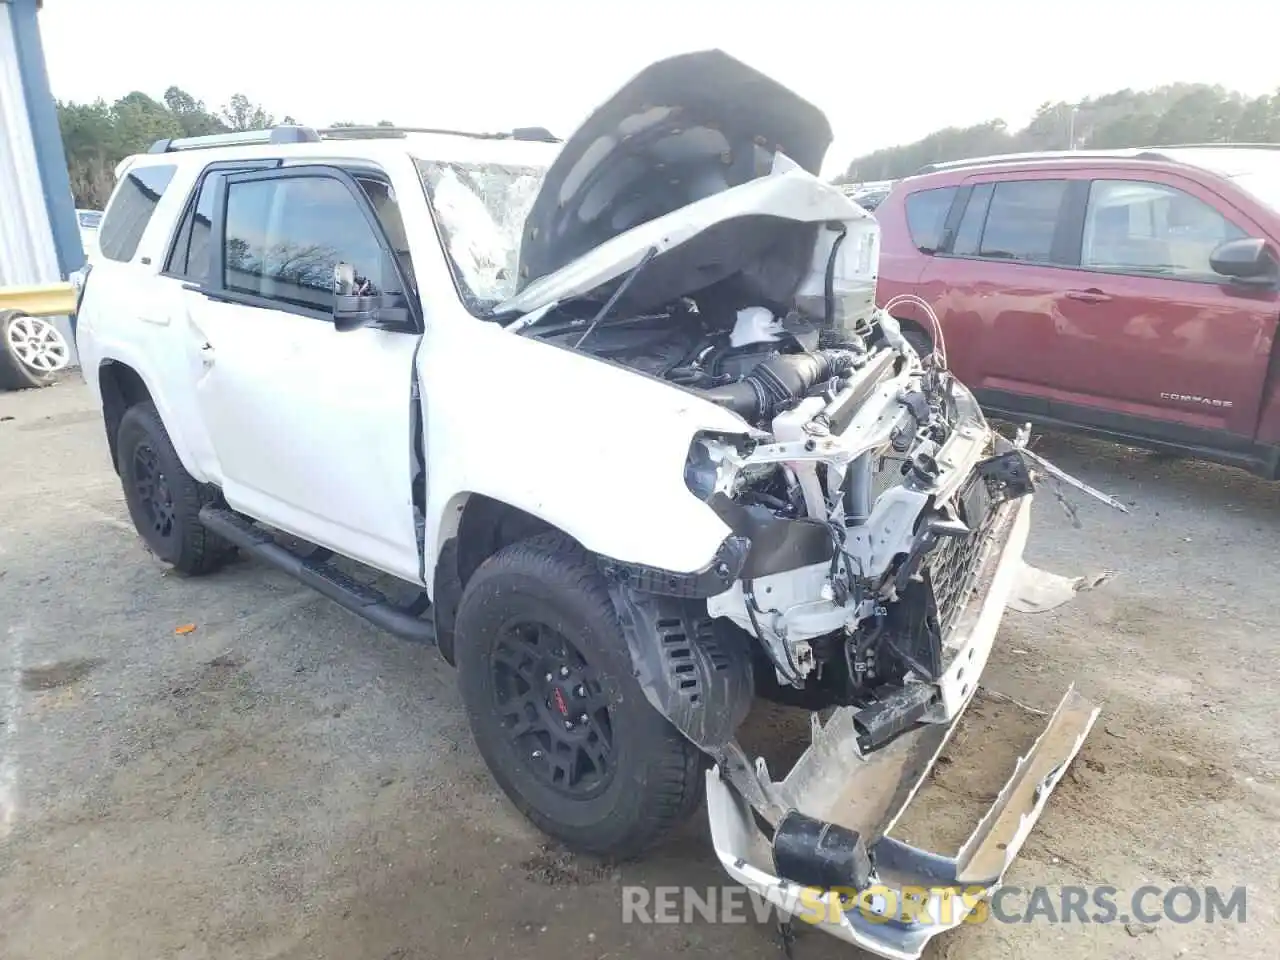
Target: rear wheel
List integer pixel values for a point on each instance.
(557, 715)
(164, 500)
(32, 351)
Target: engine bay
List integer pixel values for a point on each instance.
(866, 490)
(749, 361)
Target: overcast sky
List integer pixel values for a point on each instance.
(885, 73)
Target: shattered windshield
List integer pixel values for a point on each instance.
(480, 209)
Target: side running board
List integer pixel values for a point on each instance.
(343, 590)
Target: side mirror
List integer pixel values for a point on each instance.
(353, 307)
(1248, 260)
(358, 303)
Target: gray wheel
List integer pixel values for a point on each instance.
(32, 351)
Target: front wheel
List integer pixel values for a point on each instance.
(164, 500)
(558, 717)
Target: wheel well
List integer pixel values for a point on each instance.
(912, 326)
(485, 527)
(121, 388)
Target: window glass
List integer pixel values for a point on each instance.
(191, 250)
(969, 233)
(926, 216)
(198, 246)
(135, 201)
(284, 237)
(1022, 219)
(1149, 228)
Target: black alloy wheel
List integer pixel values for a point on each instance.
(554, 709)
(152, 488)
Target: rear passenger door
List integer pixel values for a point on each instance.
(995, 280)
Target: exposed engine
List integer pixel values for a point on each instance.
(849, 594)
(751, 363)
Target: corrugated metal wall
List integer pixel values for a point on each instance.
(28, 249)
(27, 253)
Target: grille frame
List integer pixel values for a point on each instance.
(952, 565)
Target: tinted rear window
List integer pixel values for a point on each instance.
(969, 233)
(926, 215)
(131, 210)
(1022, 220)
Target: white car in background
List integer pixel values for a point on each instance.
(89, 221)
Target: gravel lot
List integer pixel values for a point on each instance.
(287, 782)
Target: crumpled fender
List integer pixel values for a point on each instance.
(594, 449)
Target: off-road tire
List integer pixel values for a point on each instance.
(184, 544)
(14, 374)
(657, 775)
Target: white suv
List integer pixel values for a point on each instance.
(614, 412)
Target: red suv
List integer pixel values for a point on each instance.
(1130, 294)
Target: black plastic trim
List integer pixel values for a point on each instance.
(716, 577)
(1262, 459)
(777, 544)
(182, 230)
(694, 669)
(360, 599)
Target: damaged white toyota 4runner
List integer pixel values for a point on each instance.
(623, 422)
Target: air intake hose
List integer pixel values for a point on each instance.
(776, 384)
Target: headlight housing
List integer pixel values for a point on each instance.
(713, 464)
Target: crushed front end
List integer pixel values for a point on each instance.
(877, 531)
(872, 521)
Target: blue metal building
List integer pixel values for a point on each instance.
(39, 232)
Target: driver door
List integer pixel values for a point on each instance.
(310, 426)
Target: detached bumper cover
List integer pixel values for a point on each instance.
(911, 894)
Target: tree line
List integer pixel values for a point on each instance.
(97, 136)
(1177, 113)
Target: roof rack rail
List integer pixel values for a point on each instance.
(1231, 145)
(292, 133)
(286, 133)
(539, 134)
(1147, 153)
(1127, 153)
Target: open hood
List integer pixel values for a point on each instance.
(682, 130)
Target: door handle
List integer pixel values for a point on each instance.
(207, 354)
(1088, 296)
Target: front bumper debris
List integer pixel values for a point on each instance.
(894, 897)
(911, 895)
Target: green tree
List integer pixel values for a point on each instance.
(1177, 113)
(97, 136)
(242, 114)
(191, 114)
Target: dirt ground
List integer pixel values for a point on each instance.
(286, 782)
